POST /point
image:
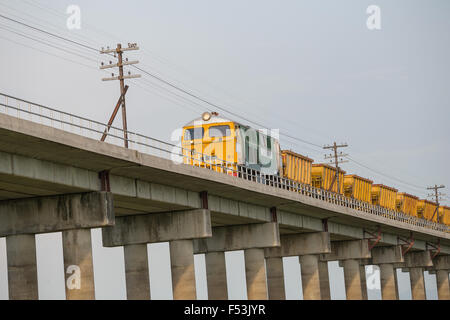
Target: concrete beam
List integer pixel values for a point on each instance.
(158, 227)
(240, 237)
(441, 263)
(348, 249)
(301, 244)
(420, 259)
(388, 254)
(56, 213)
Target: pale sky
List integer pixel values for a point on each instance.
(309, 68)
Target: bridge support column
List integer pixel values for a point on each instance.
(216, 275)
(308, 247)
(183, 271)
(324, 279)
(385, 258)
(441, 267)
(252, 238)
(349, 253)
(72, 214)
(78, 266)
(275, 278)
(22, 272)
(255, 273)
(415, 263)
(397, 296)
(310, 277)
(352, 278)
(442, 284)
(362, 273)
(136, 272)
(417, 284)
(388, 282)
(179, 229)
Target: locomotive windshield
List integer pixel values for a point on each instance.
(194, 133)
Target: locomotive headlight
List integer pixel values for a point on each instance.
(206, 116)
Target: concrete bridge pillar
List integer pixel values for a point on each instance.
(363, 280)
(179, 228)
(183, 271)
(22, 271)
(352, 278)
(73, 215)
(216, 275)
(255, 273)
(442, 284)
(78, 265)
(310, 277)
(415, 262)
(275, 278)
(252, 238)
(386, 257)
(324, 279)
(441, 266)
(136, 271)
(388, 282)
(349, 253)
(308, 247)
(417, 284)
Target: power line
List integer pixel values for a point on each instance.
(161, 80)
(385, 175)
(197, 97)
(47, 44)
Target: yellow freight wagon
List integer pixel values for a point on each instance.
(357, 187)
(323, 175)
(384, 196)
(407, 203)
(444, 215)
(296, 167)
(426, 209)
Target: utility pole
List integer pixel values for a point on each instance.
(335, 160)
(437, 195)
(123, 89)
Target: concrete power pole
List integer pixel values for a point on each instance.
(123, 89)
(437, 195)
(335, 160)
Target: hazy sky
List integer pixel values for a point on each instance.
(309, 68)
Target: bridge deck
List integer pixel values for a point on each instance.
(35, 141)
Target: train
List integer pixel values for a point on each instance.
(235, 149)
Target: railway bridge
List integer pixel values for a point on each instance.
(56, 176)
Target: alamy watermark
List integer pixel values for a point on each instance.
(73, 282)
(373, 278)
(74, 20)
(374, 19)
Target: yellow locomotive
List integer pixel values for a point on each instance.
(227, 146)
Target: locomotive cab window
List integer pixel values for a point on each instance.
(194, 133)
(219, 131)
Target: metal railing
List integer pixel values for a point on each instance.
(93, 129)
